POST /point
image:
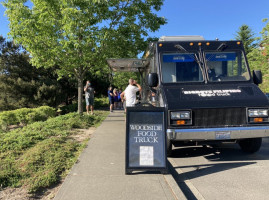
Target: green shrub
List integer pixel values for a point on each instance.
(9, 173)
(25, 116)
(39, 154)
(101, 102)
(43, 164)
(7, 118)
(22, 113)
(46, 111)
(70, 108)
(40, 114)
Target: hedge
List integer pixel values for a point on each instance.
(40, 154)
(101, 102)
(25, 116)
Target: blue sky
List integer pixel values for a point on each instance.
(209, 18)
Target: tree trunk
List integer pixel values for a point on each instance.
(80, 94)
(80, 77)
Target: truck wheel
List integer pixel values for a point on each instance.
(169, 147)
(250, 145)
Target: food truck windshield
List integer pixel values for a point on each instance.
(208, 65)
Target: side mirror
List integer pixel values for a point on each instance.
(153, 80)
(257, 77)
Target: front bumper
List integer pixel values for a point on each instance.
(230, 133)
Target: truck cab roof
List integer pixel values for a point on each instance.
(181, 38)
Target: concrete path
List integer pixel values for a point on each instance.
(100, 171)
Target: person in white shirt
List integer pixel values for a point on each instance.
(130, 93)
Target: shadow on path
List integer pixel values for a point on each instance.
(221, 158)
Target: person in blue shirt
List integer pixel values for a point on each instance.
(110, 98)
(119, 99)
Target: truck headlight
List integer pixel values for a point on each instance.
(258, 115)
(181, 115)
(258, 112)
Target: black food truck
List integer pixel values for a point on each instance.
(206, 88)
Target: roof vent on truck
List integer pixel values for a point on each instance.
(181, 38)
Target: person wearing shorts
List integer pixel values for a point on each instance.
(89, 97)
(116, 100)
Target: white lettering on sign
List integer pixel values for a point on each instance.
(212, 93)
(179, 58)
(146, 139)
(221, 56)
(146, 133)
(154, 127)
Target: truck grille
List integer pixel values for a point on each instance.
(212, 117)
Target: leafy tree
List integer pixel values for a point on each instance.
(265, 40)
(100, 78)
(257, 60)
(259, 57)
(120, 79)
(22, 85)
(79, 35)
(246, 35)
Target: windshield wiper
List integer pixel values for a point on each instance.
(194, 57)
(222, 46)
(179, 47)
(203, 62)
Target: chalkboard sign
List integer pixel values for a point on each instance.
(145, 139)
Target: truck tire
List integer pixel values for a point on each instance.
(169, 147)
(250, 145)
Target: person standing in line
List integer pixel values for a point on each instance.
(130, 93)
(115, 93)
(89, 97)
(110, 98)
(119, 99)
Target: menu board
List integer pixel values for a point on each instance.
(145, 139)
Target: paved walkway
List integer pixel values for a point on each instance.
(100, 171)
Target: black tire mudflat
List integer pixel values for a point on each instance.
(250, 145)
(169, 147)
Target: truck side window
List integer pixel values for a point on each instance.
(169, 73)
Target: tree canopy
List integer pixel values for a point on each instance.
(78, 35)
(257, 51)
(247, 36)
(265, 40)
(22, 85)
